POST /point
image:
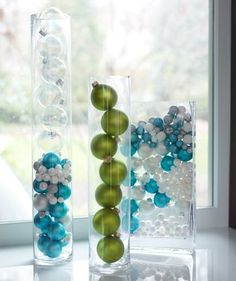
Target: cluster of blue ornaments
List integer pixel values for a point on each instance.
(53, 214)
(169, 137)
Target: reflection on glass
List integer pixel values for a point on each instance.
(59, 273)
(163, 267)
(110, 277)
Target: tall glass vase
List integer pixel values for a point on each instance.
(109, 146)
(51, 155)
(163, 177)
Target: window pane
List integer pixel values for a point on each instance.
(163, 45)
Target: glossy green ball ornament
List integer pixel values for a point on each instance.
(106, 221)
(103, 97)
(113, 173)
(108, 196)
(103, 145)
(110, 249)
(114, 122)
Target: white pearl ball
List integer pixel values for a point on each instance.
(54, 180)
(46, 177)
(187, 127)
(137, 193)
(42, 169)
(136, 163)
(53, 200)
(161, 149)
(187, 139)
(52, 172)
(146, 207)
(161, 136)
(144, 150)
(144, 178)
(43, 185)
(149, 127)
(60, 199)
(182, 109)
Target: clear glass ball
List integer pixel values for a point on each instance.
(53, 70)
(54, 117)
(50, 141)
(49, 45)
(48, 94)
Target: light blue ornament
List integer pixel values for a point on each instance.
(42, 223)
(56, 231)
(184, 155)
(132, 181)
(59, 210)
(134, 224)
(151, 186)
(161, 200)
(50, 160)
(43, 242)
(167, 162)
(54, 249)
(64, 191)
(125, 206)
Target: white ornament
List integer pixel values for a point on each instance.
(149, 127)
(187, 139)
(144, 151)
(46, 177)
(146, 207)
(60, 199)
(161, 149)
(38, 177)
(42, 169)
(52, 188)
(66, 220)
(161, 136)
(136, 163)
(51, 172)
(43, 185)
(187, 127)
(54, 180)
(137, 193)
(53, 200)
(49, 46)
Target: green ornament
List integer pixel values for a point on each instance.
(108, 195)
(113, 173)
(110, 249)
(103, 145)
(106, 221)
(114, 122)
(103, 97)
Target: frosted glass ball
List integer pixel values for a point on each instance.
(48, 94)
(146, 207)
(149, 127)
(161, 136)
(49, 45)
(54, 117)
(187, 139)
(151, 164)
(136, 163)
(50, 141)
(51, 13)
(144, 178)
(137, 193)
(144, 150)
(187, 127)
(53, 70)
(40, 202)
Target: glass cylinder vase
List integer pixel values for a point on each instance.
(51, 155)
(163, 177)
(109, 146)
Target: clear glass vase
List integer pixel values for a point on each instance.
(163, 177)
(109, 146)
(51, 155)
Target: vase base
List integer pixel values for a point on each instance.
(53, 262)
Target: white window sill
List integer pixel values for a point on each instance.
(215, 260)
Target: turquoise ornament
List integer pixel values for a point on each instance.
(36, 187)
(50, 160)
(134, 224)
(64, 161)
(58, 210)
(56, 231)
(184, 155)
(158, 122)
(42, 223)
(146, 137)
(139, 130)
(43, 242)
(151, 186)
(167, 162)
(64, 191)
(161, 200)
(133, 206)
(54, 249)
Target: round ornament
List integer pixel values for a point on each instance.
(42, 222)
(49, 45)
(110, 249)
(106, 221)
(114, 122)
(43, 242)
(53, 70)
(56, 231)
(50, 160)
(48, 94)
(108, 196)
(103, 145)
(103, 97)
(113, 173)
(64, 191)
(54, 249)
(58, 210)
(54, 118)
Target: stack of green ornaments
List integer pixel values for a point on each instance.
(112, 172)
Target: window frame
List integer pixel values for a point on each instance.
(20, 233)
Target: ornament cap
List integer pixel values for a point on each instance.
(95, 83)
